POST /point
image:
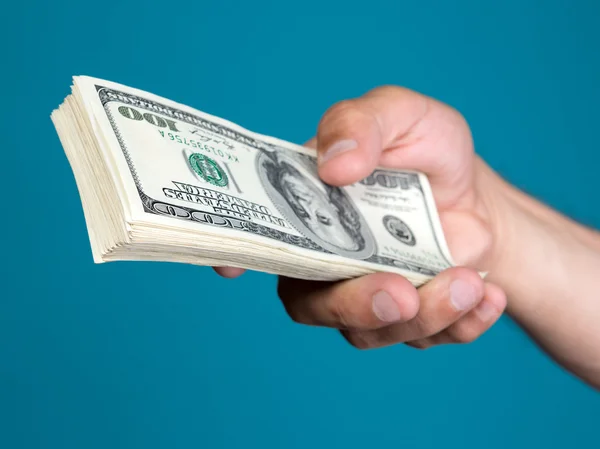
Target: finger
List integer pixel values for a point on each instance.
(473, 325)
(353, 134)
(229, 272)
(368, 302)
(445, 299)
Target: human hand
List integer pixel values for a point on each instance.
(401, 129)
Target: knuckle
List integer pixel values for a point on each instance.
(423, 326)
(458, 116)
(340, 108)
(420, 344)
(454, 118)
(358, 340)
(338, 311)
(464, 333)
(294, 313)
(341, 115)
(391, 90)
(291, 307)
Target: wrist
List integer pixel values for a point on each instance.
(534, 248)
(505, 211)
(525, 235)
(548, 267)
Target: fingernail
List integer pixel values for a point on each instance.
(462, 295)
(341, 146)
(485, 311)
(385, 308)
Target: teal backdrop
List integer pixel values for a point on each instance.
(153, 355)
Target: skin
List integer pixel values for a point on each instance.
(543, 262)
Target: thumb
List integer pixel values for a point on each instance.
(352, 134)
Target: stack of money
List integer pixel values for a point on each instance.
(161, 181)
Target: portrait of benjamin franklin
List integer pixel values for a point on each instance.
(318, 211)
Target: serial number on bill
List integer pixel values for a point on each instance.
(228, 155)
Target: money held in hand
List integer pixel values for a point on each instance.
(161, 181)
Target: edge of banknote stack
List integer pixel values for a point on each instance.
(108, 229)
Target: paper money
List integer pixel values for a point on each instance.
(161, 181)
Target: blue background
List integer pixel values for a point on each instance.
(120, 356)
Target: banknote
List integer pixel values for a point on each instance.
(189, 176)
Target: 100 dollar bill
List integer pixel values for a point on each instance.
(179, 167)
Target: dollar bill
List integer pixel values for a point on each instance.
(160, 180)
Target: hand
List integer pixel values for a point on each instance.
(398, 128)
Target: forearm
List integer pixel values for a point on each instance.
(549, 266)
